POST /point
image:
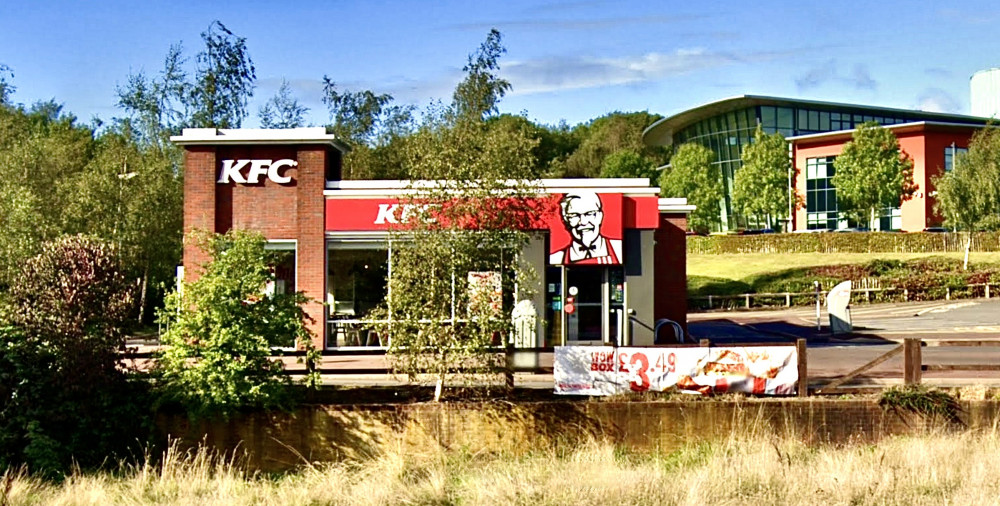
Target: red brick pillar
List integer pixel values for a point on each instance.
(199, 204)
(311, 221)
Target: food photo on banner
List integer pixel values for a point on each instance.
(587, 229)
(607, 370)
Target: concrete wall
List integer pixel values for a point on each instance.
(278, 441)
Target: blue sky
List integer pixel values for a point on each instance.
(567, 60)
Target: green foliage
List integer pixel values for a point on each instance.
(692, 174)
(921, 400)
(223, 80)
(468, 225)
(215, 96)
(282, 110)
(604, 136)
(131, 195)
(628, 163)
(761, 185)
(872, 173)
(40, 150)
(477, 95)
(6, 88)
(221, 329)
(969, 196)
(64, 401)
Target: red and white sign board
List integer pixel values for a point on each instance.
(606, 370)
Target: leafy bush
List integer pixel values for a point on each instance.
(221, 329)
(63, 399)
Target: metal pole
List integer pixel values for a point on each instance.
(819, 325)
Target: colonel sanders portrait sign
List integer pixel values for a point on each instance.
(589, 231)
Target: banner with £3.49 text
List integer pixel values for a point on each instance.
(606, 370)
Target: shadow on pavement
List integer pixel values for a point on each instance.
(724, 331)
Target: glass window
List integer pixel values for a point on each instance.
(950, 154)
(284, 266)
(785, 118)
(821, 196)
(814, 120)
(768, 118)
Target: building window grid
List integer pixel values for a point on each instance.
(821, 196)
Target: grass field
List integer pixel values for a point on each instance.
(728, 274)
(763, 469)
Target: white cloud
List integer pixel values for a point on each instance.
(828, 72)
(576, 72)
(937, 100)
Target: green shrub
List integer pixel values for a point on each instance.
(221, 329)
(64, 401)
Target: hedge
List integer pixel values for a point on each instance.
(833, 242)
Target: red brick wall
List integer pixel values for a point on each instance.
(670, 272)
(293, 211)
(199, 203)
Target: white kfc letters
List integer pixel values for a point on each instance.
(232, 170)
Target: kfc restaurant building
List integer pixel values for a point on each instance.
(610, 257)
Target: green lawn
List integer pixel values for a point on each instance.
(728, 274)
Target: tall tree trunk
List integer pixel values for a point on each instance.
(142, 293)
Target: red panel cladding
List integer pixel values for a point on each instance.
(670, 269)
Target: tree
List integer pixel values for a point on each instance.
(6, 89)
(222, 327)
(282, 110)
(872, 173)
(628, 163)
(223, 80)
(454, 257)
(215, 97)
(64, 399)
(609, 134)
(476, 97)
(131, 195)
(692, 174)
(969, 196)
(375, 127)
(761, 187)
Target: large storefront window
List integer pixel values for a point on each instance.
(357, 280)
(821, 196)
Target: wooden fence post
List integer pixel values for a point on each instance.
(788, 299)
(912, 361)
(800, 348)
(748, 300)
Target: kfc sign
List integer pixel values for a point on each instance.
(233, 170)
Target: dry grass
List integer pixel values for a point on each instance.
(933, 469)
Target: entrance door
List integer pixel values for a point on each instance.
(596, 295)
